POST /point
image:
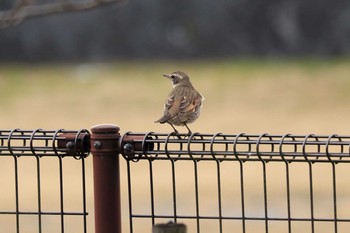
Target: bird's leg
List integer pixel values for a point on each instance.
(189, 131)
(175, 131)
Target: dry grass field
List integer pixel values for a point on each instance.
(252, 96)
(242, 96)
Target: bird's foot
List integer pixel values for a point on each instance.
(175, 132)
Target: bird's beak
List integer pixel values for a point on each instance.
(167, 75)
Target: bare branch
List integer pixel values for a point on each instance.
(16, 14)
(26, 9)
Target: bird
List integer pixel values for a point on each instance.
(184, 102)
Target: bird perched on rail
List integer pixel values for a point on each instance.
(184, 102)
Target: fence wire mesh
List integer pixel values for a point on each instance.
(239, 183)
(211, 182)
(38, 186)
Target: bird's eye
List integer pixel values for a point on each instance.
(172, 76)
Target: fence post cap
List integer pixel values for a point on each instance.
(105, 129)
(104, 140)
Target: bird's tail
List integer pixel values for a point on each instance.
(163, 119)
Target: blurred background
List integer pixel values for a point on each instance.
(263, 67)
(183, 29)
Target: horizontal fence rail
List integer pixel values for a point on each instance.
(44, 143)
(242, 147)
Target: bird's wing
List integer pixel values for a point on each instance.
(170, 108)
(191, 103)
(173, 105)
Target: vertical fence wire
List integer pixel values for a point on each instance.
(131, 216)
(311, 186)
(83, 191)
(334, 182)
(264, 180)
(195, 166)
(241, 176)
(280, 148)
(173, 186)
(16, 193)
(151, 190)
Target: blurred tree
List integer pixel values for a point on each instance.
(184, 29)
(15, 11)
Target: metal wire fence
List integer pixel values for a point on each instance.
(211, 182)
(36, 186)
(239, 183)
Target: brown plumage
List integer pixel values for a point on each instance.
(183, 104)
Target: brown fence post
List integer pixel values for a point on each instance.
(169, 227)
(104, 148)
